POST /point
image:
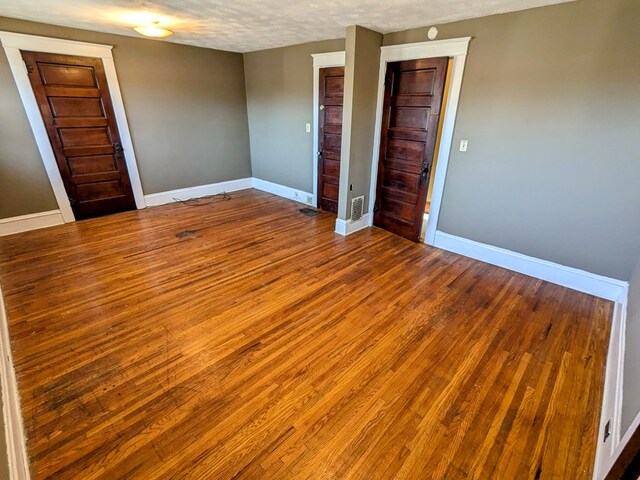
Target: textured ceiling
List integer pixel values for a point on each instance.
(247, 25)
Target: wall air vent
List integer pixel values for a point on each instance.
(357, 206)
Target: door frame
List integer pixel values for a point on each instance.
(320, 60)
(455, 48)
(12, 44)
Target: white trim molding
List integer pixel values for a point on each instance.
(591, 283)
(13, 43)
(347, 227)
(283, 191)
(13, 424)
(163, 198)
(608, 450)
(33, 43)
(456, 49)
(320, 60)
(33, 221)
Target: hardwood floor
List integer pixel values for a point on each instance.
(241, 339)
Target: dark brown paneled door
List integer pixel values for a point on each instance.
(330, 136)
(75, 104)
(412, 101)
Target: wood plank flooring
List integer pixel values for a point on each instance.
(241, 339)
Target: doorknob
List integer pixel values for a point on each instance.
(319, 153)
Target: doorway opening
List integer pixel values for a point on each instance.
(454, 51)
(74, 100)
(325, 62)
(413, 97)
(331, 100)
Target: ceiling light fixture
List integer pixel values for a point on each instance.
(153, 30)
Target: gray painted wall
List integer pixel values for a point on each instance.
(362, 63)
(631, 383)
(279, 102)
(23, 180)
(186, 108)
(549, 104)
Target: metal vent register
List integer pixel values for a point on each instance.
(357, 206)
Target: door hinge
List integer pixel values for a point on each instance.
(376, 206)
(424, 171)
(29, 68)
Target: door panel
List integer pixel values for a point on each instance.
(332, 171)
(330, 136)
(412, 101)
(91, 164)
(75, 104)
(406, 117)
(415, 82)
(329, 190)
(401, 180)
(334, 81)
(401, 209)
(399, 149)
(67, 75)
(331, 144)
(99, 190)
(333, 118)
(76, 107)
(76, 137)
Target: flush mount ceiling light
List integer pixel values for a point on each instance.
(153, 30)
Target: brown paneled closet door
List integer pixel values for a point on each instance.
(73, 98)
(412, 101)
(330, 136)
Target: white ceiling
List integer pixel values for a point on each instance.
(247, 25)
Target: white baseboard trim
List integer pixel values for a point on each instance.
(24, 223)
(13, 426)
(607, 451)
(347, 227)
(283, 191)
(597, 285)
(163, 198)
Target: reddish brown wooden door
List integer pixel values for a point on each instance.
(75, 104)
(412, 101)
(330, 136)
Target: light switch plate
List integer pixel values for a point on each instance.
(463, 145)
(308, 127)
